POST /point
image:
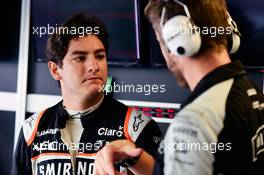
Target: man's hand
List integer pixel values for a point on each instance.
(113, 152)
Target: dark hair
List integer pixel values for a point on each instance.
(58, 43)
(205, 13)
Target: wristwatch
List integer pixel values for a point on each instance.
(129, 162)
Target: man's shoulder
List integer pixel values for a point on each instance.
(207, 111)
(133, 119)
(30, 126)
(135, 122)
(31, 120)
(114, 108)
(33, 123)
(212, 101)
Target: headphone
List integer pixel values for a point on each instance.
(182, 37)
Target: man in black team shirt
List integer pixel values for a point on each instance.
(64, 138)
(220, 128)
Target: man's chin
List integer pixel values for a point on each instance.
(93, 87)
(92, 92)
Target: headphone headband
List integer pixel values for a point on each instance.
(232, 23)
(186, 10)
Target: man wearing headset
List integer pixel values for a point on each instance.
(220, 128)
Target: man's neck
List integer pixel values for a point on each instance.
(79, 104)
(197, 68)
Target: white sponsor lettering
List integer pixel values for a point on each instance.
(66, 169)
(82, 168)
(91, 168)
(50, 169)
(110, 132)
(53, 169)
(41, 170)
(48, 131)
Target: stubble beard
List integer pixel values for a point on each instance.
(176, 71)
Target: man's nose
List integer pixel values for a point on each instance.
(93, 65)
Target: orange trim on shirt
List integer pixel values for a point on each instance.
(30, 140)
(87, 154)
(50, 154)
(126, 132)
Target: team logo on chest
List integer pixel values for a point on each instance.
(137, 121)
(111, 132)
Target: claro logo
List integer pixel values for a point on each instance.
(111, 132)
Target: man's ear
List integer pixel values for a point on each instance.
(54, 70)
(157, 36)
